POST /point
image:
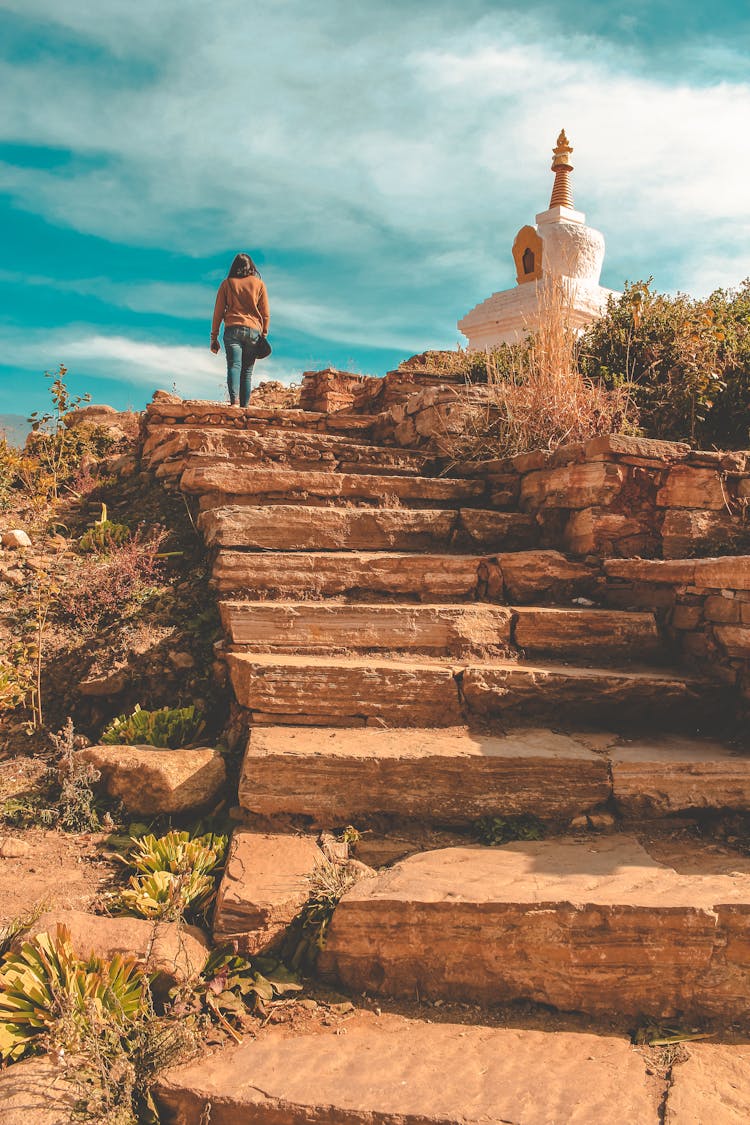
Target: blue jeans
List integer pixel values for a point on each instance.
(240, 345)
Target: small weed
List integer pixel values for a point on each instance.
(328, 882)
(493, 830)
(76, 804)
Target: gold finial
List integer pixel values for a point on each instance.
(562, 193)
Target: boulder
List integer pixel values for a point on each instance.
(151, 781)
(15, 540)
(172, 950)
(38, 1091)
(13, 848)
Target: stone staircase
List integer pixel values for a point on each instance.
(403, 654)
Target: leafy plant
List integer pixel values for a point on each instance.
(56, 447)
(169, 727)
(174, 874)
(46, 984)
(232, 985)
(493, 830)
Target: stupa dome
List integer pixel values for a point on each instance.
(559, 250)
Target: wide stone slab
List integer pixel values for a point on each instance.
(598, 927)
(337, 776)
(396, 693)
(533, 690)
(265, 883)
(151, 781)
(287, 527)
(419, 576)
(230, 478)
(572, 486)
(394, 1071)
(563, 630)
(656, 777)
(320, 627)
(711, 1087)
(173, 951)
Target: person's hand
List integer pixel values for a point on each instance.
(215, 346)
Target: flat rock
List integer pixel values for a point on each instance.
(316, 627)
(687, 531)
(265, 884)
(593, 926)
(289, 527)
(711, 1087)
(171, 950)
(286, 527)
(421, 576)
(231, 478)
(399, 693)
(405, 1072)
(656, 777)
(530, 575)
(151, 781)
(531, 688)
(623, 445)
(340, 776)
(564, 630)
(11, 847)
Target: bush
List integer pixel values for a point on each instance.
(685, 361)
(100, 591)
(170, 728)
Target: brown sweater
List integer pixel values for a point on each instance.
(241, 300)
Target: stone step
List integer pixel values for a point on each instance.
(196, 412)
(338, 776)
(225, 482)
(170, 448)
(291, 527)
(440, 776)
(594, 926)
(390, 1070)
(340, 573)
(518, 577)
(358, 690)
(438, 629)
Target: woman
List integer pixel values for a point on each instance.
(242, 303)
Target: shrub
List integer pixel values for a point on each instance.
(46, 987)
(174, 874)
(97, 592)
(231, 985)
(103, 536)
(76, 809)
(170, 728)
(686, 361)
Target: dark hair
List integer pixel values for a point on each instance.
(243, 266)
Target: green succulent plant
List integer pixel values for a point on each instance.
(169, 728)
(46, 985)
(173, 874)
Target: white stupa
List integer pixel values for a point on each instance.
(559, 252)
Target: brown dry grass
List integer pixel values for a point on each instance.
(535, 396)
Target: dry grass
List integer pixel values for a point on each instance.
(535, 396)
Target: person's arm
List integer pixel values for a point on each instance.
(219, 310)
(263, 308)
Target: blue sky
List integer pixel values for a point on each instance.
(376, 160)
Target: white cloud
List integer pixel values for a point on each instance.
(193, 372)
(398, 154)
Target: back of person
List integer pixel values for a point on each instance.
(246, 302)
(242, 303)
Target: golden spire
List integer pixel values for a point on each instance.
(562, 193)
